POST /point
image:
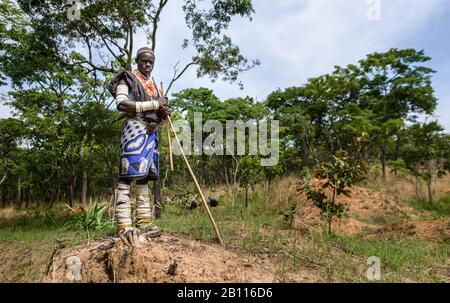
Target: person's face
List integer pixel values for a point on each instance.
(145, 63)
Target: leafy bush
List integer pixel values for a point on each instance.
(89, 219)
(337, 175)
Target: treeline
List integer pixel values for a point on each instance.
(54, 150)
(62, 143)
(56, 59)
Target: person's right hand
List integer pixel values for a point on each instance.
(164, 106)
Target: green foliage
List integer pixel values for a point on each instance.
(89, 219)
(289, 215)
(107, 29)
(250, 172)
(62, 129)
(337, 175)
(427, 152)
(440, 208)
(60, 94)
(375, 96)
(248, 231)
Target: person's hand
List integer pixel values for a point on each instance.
(163, 101)
(164, 106)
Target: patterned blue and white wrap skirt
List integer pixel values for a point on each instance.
(139, 151)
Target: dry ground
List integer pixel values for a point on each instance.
(257, 250)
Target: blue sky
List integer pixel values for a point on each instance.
(298, 39)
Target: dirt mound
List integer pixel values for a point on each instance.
(374, 214)
(362, 205)
(367, 203)
(163, 259)
(436, 230)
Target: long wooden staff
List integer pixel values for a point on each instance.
(193, 176)
(168, 135)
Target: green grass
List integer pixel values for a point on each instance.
(437, 209)
(260, 229)
(26, 242)
(412, 259)
(196, 223)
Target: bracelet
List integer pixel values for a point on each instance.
(121, 93)
(146, 106)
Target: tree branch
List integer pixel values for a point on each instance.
(5, 174)
(177, 76)
(162, 3)
(123, 51)
(94, 67)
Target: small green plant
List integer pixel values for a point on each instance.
(336, 176)
(90, 219)
(289, 214)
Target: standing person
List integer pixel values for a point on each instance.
(137, 96)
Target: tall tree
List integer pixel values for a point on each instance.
(107, 30)
(397, 87)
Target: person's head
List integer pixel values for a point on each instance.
(145, 60)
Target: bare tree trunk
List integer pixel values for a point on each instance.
(305, 149)
(225, 168)
(429, 179)
(235, 181)
(31, 188)
(19, 192)
(383, 159)
(84, 174)
(269, 181)
(430, 194)
(58, 193)
(246, 198)
(204, 174)
(4, 198)
(84, 188)
(73, 184)
(416, 183)
(397, 152)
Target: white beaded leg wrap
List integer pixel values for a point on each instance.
(143, 209)
(123, 207)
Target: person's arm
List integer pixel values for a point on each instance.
(125, 105)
